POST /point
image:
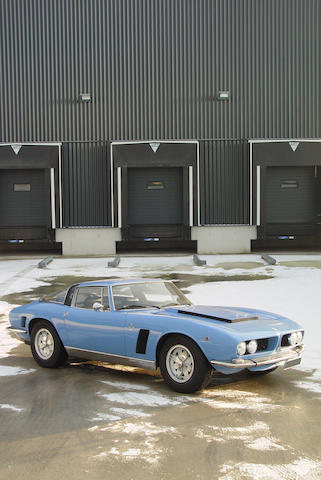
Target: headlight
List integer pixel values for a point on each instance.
(293, 338)
(241, 348)
(299, 337)
(252, 346)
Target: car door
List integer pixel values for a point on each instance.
(94, 329)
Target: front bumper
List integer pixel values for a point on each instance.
(20, 333)
(17, 330)
(277, 359)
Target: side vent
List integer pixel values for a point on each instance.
(142, 341)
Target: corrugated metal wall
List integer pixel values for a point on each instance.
(154, 68)
(224, 182)
(86, 184)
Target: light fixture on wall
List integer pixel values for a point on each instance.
(85, 97)
(223, 95)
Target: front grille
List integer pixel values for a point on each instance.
(262, 344)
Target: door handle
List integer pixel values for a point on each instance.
(65, 314)
(131, 326)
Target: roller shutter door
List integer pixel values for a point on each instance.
(155, 196)
(23, 198)
(290, 195)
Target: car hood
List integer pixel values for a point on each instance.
(237, 319)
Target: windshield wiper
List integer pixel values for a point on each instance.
(125, 307)
(176, 305)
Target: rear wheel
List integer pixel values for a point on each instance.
(183, 365)
(46, 346)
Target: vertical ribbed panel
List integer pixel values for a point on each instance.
(86, 184)
(154, 67)
(224, 179)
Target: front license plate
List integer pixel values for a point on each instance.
(292, 363)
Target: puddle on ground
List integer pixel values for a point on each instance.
(243, 265)
(302, 263)
(55, 285)
(184, 280)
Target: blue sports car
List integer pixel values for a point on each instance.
(150, 324)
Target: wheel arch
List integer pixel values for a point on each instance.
(165, 337)
(34, 321)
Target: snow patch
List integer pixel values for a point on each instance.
(264, 443)
(212, 433)
(6, 371)
(141, 440)
(237, 399)
(104, 417)
(125, 385)
(129, 412)
(10, 407)
(136, 398)
(301, 468)
(145, 428)
(7, 341)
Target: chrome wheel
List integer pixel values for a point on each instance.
(180, 363)
(44, 344)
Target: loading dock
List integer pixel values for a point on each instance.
(286, 185)
(29, 196)
(155, 185)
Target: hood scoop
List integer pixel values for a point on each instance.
(228, 315)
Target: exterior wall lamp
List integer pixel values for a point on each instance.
(223, 95)
(84, 97)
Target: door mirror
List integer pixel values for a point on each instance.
(98, 307)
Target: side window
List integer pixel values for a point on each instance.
(70, 295)
(87, 296)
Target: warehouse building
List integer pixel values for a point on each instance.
(167, 124)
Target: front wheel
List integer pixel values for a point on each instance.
(183, 365)
(46, 346)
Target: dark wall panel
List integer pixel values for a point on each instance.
(153, 69)
(86, 184)
(224, 182)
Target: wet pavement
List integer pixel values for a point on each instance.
(91, 420)
(98, 421)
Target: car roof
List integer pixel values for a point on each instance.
(111, 282)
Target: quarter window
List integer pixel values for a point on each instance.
(87, 296)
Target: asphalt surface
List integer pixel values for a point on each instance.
(97, 421)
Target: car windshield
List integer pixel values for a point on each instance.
(55, 297)
(149, 294)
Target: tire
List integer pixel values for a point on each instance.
(183, 365)
(261, 372)
(46, 346)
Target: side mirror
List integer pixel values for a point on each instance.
(98, 307)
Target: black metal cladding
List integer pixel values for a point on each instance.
(153, 69)
(86, 184)
(224, 182)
